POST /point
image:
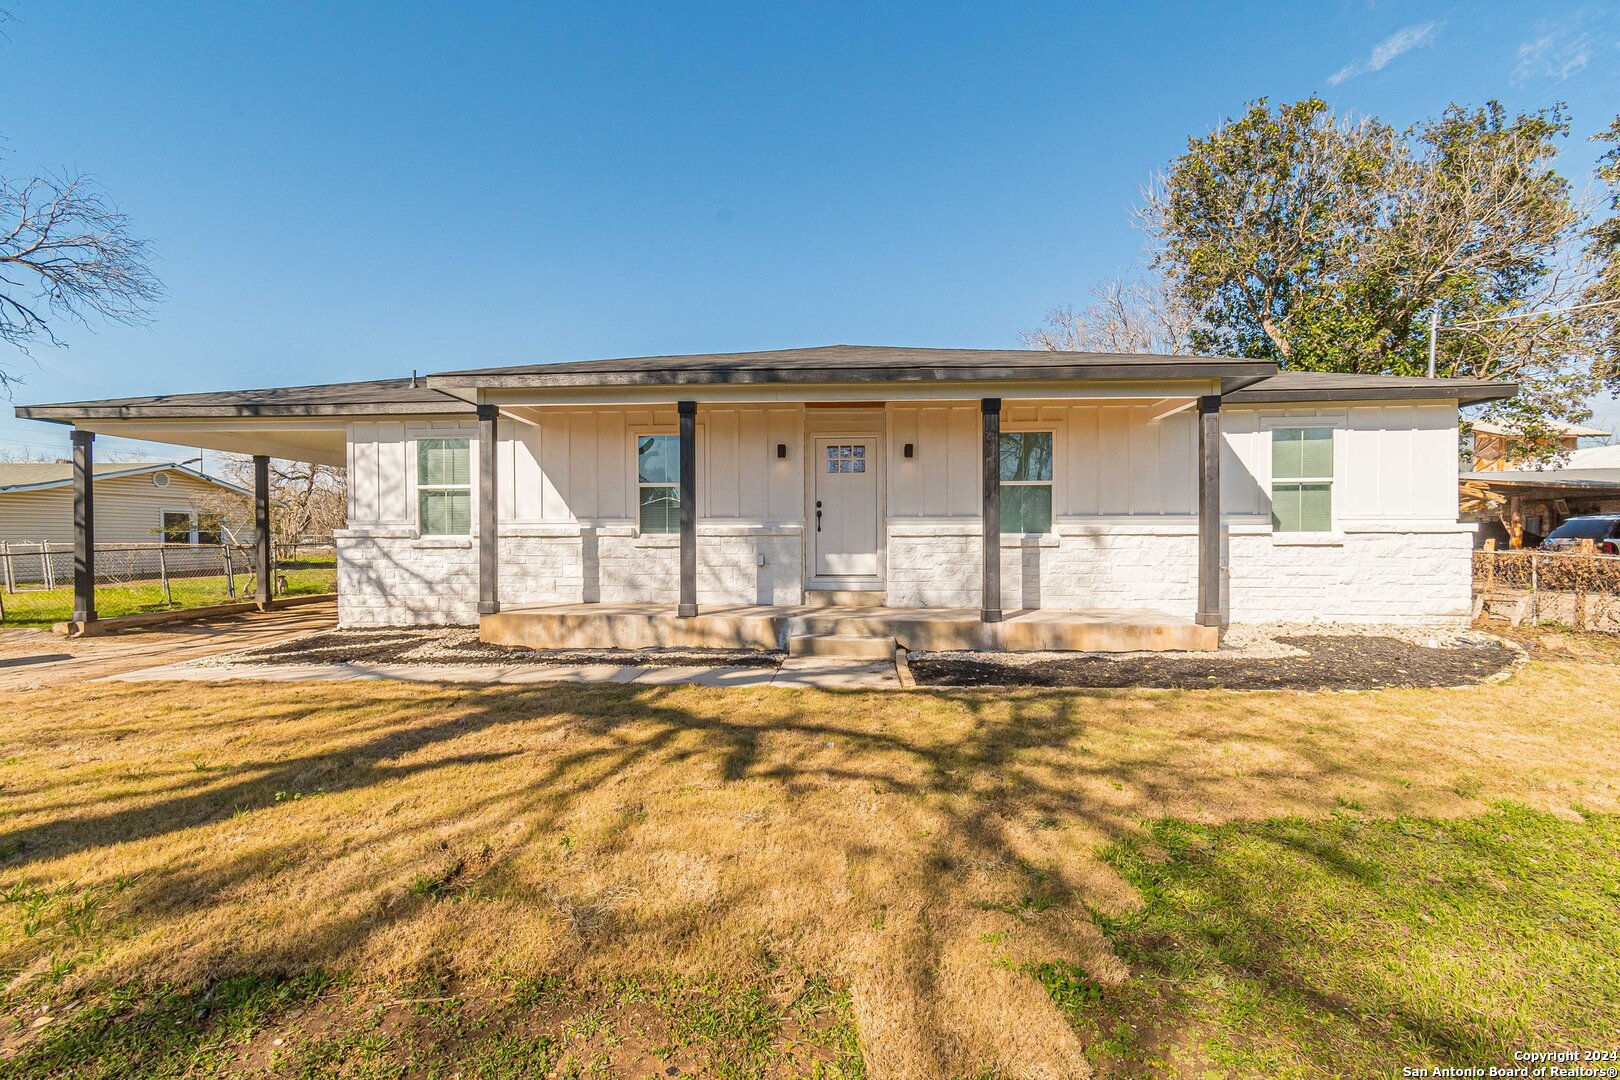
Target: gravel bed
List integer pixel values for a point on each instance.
(431, 646)
(1358, 661)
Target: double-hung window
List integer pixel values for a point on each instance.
(1026, 481)
(658, 479)
(1302, 480)
(444, 487)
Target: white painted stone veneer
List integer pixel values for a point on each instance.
(1415, 577)
(397, 580)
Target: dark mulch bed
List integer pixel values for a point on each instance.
(1335, 662)
(413, 645)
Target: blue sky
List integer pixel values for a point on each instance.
(354, 193)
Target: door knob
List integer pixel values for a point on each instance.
(818, 515)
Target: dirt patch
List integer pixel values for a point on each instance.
(1329, 662)
(460, 645)
(1559, 642)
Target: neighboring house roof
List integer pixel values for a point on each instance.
(388, 396)
(44, 475)
(1486, 427)
(1246, 380)
(1604, 480)
(1593, 457)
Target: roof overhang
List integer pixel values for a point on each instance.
(1238, 372)
(1463, 392)
(77, 412)
(849, 393)
(1549, 481)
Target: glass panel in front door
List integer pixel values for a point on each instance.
(846, 517)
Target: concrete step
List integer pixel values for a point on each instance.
(848, 646)
(844, 597)
(1512, 606)
(830, 622)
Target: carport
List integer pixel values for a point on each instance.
(297, 423)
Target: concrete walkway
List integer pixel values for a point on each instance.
(35, 659)
(796, 672)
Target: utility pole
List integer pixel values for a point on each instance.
(1434, 332)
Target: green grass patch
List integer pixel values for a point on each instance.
(318, 1026)
(44, 607)
(198, 1032)
(1354, 947)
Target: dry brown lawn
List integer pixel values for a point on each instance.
(916, 848)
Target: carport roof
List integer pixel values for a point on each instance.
(388, 396)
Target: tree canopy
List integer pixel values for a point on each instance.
(1328, 242)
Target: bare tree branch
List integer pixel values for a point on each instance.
(1125, 317)
(67, 254)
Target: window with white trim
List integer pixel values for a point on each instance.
(658, 480)
(444, 487)
(1302, 480)
(191, 527)
(178, 526)
(1026, 481)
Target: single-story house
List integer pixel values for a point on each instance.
(993, 498)
(141, 504)
(1498, 447)
(137, 502)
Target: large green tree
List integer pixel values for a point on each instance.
(1327, 243)
(1603, 244)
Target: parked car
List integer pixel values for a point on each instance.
(1602, 529)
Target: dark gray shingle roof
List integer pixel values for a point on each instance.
(854, 363)
(1288, 386)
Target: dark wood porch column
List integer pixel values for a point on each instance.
(688, 509)
(84, 528)
(1209, 510)
(262, 568)
(990, 601)
(489, 531)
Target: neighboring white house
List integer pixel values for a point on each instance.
(137, 502)
(855, 475)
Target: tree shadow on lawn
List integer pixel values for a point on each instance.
(1289, 946)
(924, 851)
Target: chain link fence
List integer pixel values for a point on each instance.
(36, 579)
(1579, 590)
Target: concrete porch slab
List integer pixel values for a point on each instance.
(818, 673)
(652, 626)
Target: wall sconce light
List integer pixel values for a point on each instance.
(781, 449)
(910, 450)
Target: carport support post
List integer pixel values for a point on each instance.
(688, 509)
(84, 528)
(261, 530)
(1209, 511)
(990, 601)
(489, 537)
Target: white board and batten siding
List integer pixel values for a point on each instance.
(579, 465)
(1124, 511)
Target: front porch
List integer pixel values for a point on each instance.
(868, 632)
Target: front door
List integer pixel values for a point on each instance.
(845, 515)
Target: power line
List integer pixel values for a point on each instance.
(1435, 327)
(1531, 314)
